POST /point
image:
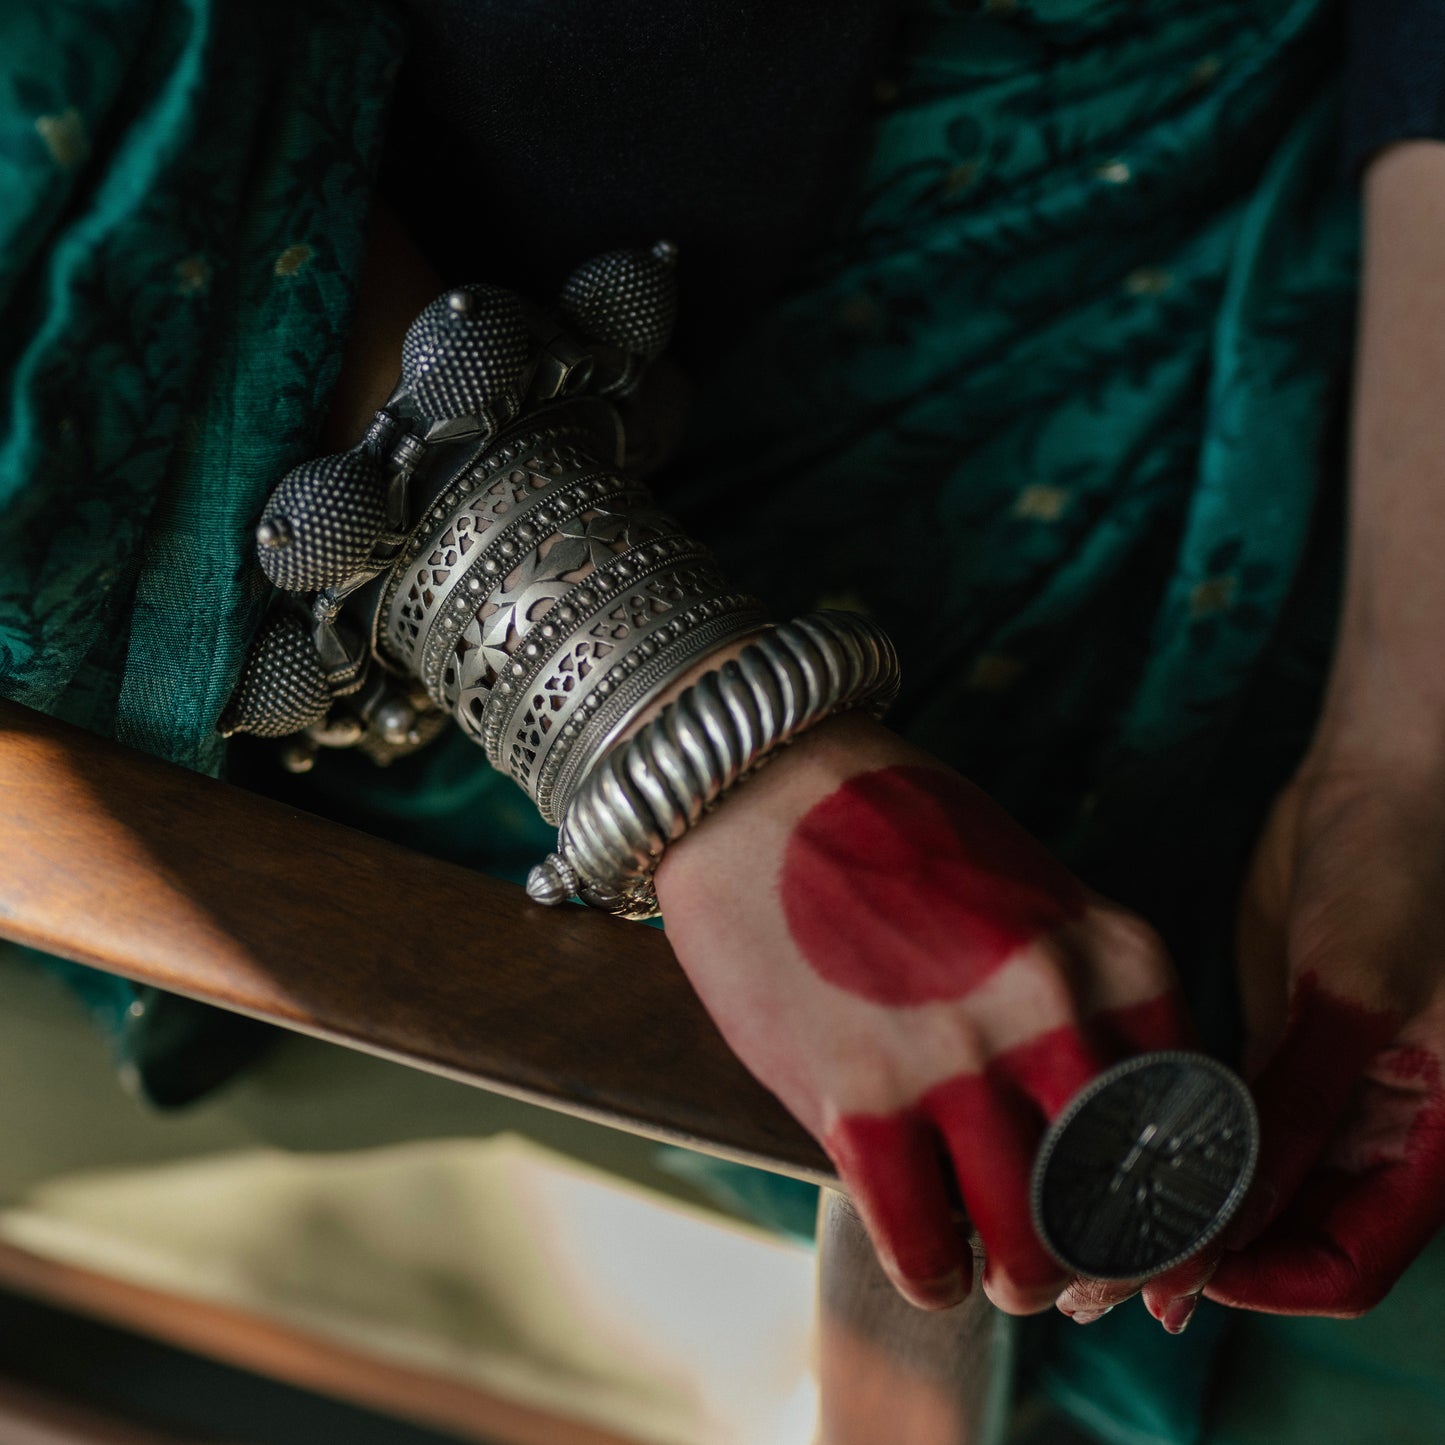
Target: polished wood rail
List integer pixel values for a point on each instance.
(111, 858)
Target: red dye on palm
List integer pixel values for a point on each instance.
(1336, 1090)
(909, 885)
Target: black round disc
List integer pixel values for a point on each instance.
(1145, 1166)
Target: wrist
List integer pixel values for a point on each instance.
(1384, 700)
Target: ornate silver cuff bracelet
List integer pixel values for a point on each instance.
(481, 556)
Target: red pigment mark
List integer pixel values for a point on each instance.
(894, 1168)
(1049, 1069)
(890, 1163)
(909, 885)
(992, 1133)
(989, 1125)
(1305, 1089)
(1342, 1236)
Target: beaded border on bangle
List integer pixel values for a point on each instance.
(659, 657)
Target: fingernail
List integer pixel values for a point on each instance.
(1179, 1313)
(1087, 1317)
(944, 1290)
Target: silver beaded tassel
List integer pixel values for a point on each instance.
(662, 781)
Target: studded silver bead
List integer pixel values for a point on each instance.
(466, 355)
(283, 687)
(627, 299)
(322, 522)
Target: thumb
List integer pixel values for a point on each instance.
(1261, 936)
(1303, 1091)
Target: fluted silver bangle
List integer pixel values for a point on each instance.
(649, 791)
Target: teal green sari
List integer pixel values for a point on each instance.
(183, 188)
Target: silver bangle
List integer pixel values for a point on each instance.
(650, 790)
(642, 664)
(499, 445)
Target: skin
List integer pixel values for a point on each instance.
(924, 987)
(926, 1054)
(968, 886)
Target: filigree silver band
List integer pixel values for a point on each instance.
(549, 605)
(621, 634)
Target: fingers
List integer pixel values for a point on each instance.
(1337, 1251)
(992, 1124)
(1162, 1022)
(992, 1133)
(893, 1168)
(1172, 1297)
(1087, 1300)
(1052, 1068)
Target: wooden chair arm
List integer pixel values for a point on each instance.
(113, 859)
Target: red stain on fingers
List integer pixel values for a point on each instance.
(909, 885)
(892, 1166)
(1156, 1023)
(991, 1124)
(993, 1133)
(1049, 1069)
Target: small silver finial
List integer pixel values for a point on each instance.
(298, 757)
(552, 881)
(395, 721)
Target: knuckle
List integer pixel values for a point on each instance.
(1015, 1297)
(967, 1041)
(877, 1076)
(1134, 946)
(1044, 980)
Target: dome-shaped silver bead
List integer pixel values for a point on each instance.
(283, 688)
(552, 881)
(465, 355)
(627, 299)
(322, 522)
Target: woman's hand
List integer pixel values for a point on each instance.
(922, 985)
(1342, 956)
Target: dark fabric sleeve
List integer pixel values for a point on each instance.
(1396, 87)
(533, 136)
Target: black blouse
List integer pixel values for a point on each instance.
(1396, 88)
